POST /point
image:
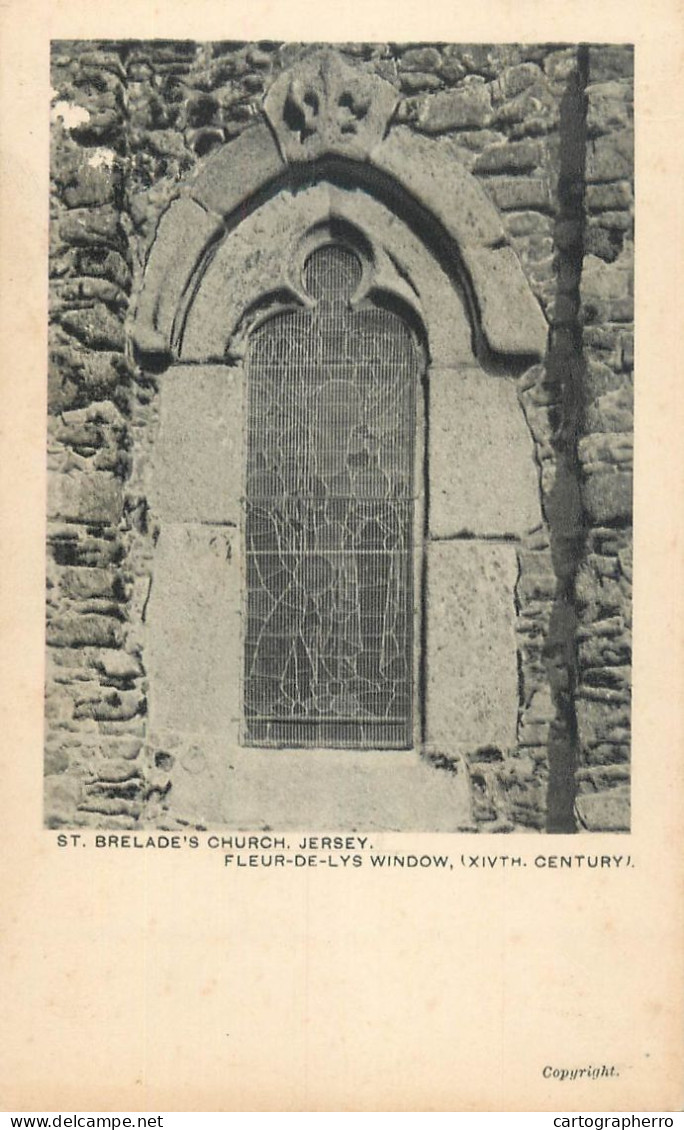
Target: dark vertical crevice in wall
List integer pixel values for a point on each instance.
(565, 378)
(424, 390)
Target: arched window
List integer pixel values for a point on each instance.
(328, 658)
(349, 547)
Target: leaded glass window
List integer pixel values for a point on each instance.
(329, 519)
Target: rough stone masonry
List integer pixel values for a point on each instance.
(516, 161)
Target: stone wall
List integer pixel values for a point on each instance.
(604, 583)
(546, 130)
(95, 703)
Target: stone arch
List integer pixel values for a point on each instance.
(248, 276)
(424, 176)
(229, 289)
(218, 264)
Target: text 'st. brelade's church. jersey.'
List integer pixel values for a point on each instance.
(340, 436)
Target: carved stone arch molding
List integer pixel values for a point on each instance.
(324, 166)
(327, 120)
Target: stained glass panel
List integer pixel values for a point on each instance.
(329, 522)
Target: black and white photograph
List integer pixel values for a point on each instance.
(340, 436)
(341, 503)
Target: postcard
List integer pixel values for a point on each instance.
(342, 498)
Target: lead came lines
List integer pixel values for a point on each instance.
(328, 657)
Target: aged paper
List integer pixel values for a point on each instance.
(166, 981)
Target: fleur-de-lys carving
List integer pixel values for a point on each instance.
(322, 105)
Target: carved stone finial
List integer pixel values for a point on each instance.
(322, 105)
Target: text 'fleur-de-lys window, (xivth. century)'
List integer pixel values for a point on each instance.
(329, 519)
